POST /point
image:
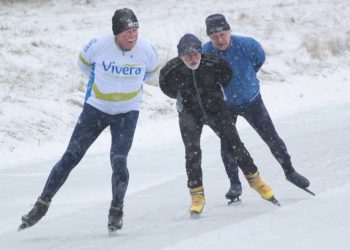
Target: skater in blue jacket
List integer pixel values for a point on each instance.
(246, 56)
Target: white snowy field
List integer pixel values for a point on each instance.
(305, 85)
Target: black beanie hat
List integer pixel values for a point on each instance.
(123, 19)
(216, 23)
(189, 44)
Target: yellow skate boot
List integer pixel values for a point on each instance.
(261, 187)
(198, 200)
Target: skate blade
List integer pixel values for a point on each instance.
(234, 201)
(274, 201)
(112, 230)
(195, 214)
(305, 189)
(308, 191)
(112, 233)
(22, 226)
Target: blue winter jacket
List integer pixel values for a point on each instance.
(245, 56)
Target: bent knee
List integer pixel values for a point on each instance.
(119, 165)
(69, 159)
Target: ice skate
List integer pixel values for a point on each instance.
(261, 187)
(115, 218)
(299, 181)
(198, 200)
(233, 193)
(38, 211)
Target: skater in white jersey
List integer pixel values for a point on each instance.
(117, 65)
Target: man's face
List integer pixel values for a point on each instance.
(192, 60)
(221, 40)
(127, 39)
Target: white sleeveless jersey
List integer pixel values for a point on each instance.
(116, 76)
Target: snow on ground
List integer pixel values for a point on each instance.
(305, 85)
(156, 214)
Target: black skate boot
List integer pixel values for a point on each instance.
(299, 181)
(115, 218)
(38, 211)
(233, 193)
